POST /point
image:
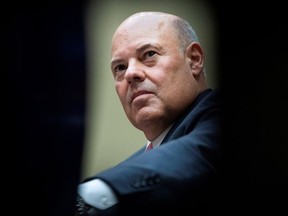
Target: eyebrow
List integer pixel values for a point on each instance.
(113, 62)
(143, 47)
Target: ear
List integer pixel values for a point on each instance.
(195, 56)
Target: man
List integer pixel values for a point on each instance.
(158, 66)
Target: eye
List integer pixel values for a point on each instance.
(119, 68)
(149, 54)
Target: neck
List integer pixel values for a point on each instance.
(153, 132)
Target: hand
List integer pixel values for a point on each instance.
(83, 209)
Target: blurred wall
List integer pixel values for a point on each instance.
(110, 137)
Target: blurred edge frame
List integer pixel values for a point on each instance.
(46, 103)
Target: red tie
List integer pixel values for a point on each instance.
(149, 147)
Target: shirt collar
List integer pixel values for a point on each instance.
(157, 141)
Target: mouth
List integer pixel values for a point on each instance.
(139, 93)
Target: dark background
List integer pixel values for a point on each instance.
(42, 148)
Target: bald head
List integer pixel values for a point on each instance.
(160, 22)
(148, 17)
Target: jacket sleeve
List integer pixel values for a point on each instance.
(179, 170)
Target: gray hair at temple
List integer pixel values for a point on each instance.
(185, 33)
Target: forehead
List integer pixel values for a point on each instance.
(147, 19)
(136, 31)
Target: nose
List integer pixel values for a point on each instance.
(135, 72)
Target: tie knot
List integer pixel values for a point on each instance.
(149, 146)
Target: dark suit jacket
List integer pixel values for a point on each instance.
(181, 174)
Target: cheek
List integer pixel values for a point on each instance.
(171, 67)
(121, 91)
(171, 75)
(177, 83)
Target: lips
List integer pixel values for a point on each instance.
(138, 93)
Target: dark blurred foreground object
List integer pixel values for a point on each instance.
(46, 62)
